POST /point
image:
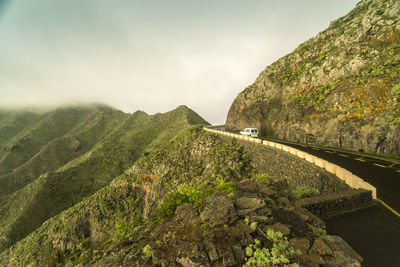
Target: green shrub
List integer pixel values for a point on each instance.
(395, 120)
(183, 194)
(320, 231)
(271, 220)
(193, 194)
(205, 225)
(147, 251)
(281, 254)
(396, 90)
(223, 186)
(303, 192)
(253, 225)
(124, 225)
(261, 176)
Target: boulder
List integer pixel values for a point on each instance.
(249, 203)
(334, 251)
(218, 210)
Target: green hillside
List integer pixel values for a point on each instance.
(104, 220)
(197, 200)
(70, 154)
(42, 148)
(29, 140)
(12, 123)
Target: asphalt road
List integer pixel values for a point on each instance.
(374, 232)
(382, 174)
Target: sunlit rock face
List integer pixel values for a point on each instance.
(341, 88)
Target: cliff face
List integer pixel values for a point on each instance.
(340, 88)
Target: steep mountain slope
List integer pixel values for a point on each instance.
(30, 136)
(11, 123)
(45, 148)
(196, 201)
(340, 88)
(78, 162)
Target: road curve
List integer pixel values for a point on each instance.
(374, 232)
(382, 174)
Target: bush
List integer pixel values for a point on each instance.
(261, 176)
(124, 225)
(192, 194)
(319, 231)
(303, 192)
(205, 225)
(396, 90)
(147, 251)
(279, 255)
(183, 194)
(223, 186)
(395, 120)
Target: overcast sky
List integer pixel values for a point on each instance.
(149, 55)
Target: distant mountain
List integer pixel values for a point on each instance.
(50, 161)
(340, 88)
(34, 143)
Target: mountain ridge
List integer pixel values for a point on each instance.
(86, 156)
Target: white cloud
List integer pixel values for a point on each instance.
(154, 57)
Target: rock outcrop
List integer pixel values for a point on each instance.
(217, 234)
(340, 88)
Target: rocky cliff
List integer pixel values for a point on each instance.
(340, 88)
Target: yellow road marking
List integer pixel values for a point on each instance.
(392, 165)
(379, 165)
(328, 151)
(398, 170)
(360, 159)
(388, 207)
(343, 155)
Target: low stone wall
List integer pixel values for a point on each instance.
(297, 172)
(345, 175)
(337, 202)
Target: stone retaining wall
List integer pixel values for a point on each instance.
(337, 202)
(297, 172)
(345, 175)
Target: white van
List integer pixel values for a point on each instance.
(253, 132)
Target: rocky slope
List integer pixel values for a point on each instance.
(197, 201)
(340, 88)
(51, 161)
